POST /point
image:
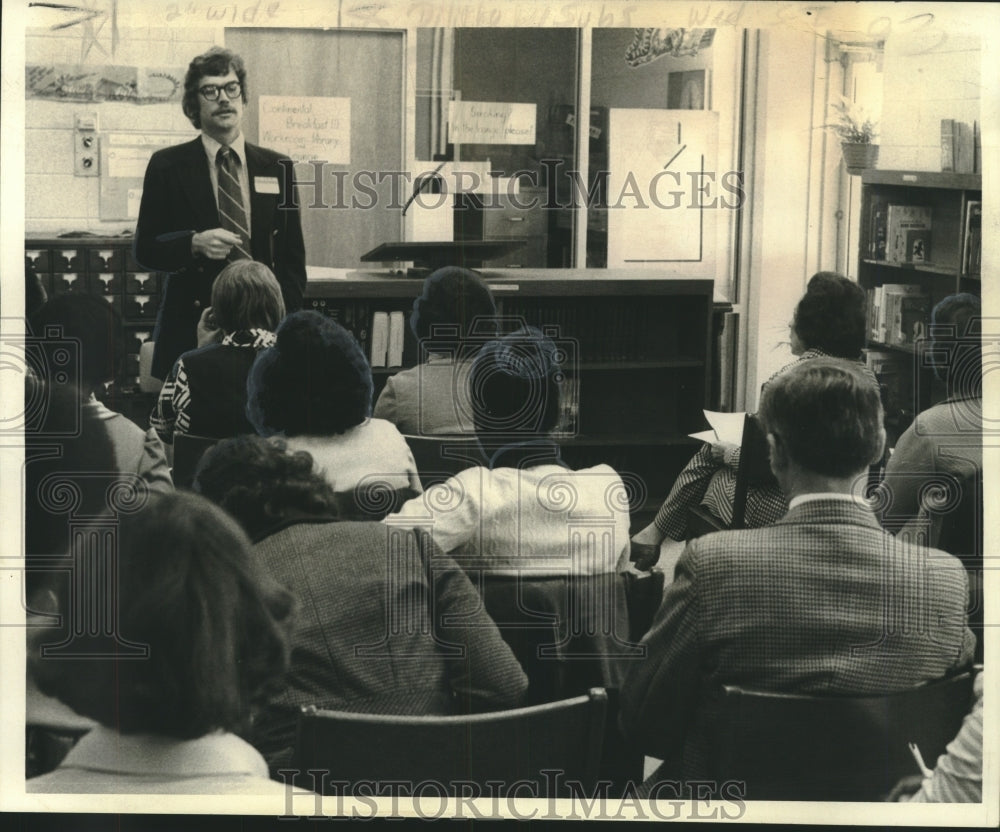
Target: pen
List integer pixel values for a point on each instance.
(920, 760)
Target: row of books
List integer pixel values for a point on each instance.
(898, 233)
(591, 331)
(898, 313)
(387, 339)
(972, 252)
(960, 146)
(597, 331)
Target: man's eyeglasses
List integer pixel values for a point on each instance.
(210, 92)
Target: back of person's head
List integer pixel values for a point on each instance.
(314, 381)
(514, 386)
(831, 316)
(91, 321)
(246, 295)
(454, 303)
(827, 415)
(216, 628)
(69, 469)
(956, 329)
(259, 483)
(216, 61)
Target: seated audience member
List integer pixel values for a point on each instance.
(958, 775)
(66, 453)
(370, 634)
(822, 602)
(946, 439)
(932, 489)
(205, 393)
(215, 627)
(313, 388)
(450, 319)
(829, 321)
(95, 325)
(519, 511)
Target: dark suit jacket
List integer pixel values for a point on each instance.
(824, 601)
(177, 201)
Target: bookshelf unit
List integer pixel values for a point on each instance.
(637, 351)
(897, 340)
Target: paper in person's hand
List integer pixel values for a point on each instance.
(726, 427)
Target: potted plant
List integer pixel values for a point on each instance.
(856, 132)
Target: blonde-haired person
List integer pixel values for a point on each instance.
(205, 393)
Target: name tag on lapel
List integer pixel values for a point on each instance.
(266, 184)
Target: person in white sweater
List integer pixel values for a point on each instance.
(525, 511)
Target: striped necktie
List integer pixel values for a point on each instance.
(231, 211)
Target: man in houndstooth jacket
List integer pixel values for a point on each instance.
(823, 601)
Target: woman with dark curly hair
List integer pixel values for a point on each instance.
(215, 630)
(370, 636)
(313, 388)
(454, 314)
(829, 321)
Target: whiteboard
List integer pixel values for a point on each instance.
(658, 161)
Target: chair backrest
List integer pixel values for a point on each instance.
(961, 529)
(440, 457)
(569, 633)
(188, 451)
(506, 746)
(960, 533)
(847, 748)
(754, 471)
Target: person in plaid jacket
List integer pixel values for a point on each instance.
(822, 602)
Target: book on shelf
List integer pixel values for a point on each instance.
(397, 323)
(959, 141)
(972, 252)
(886, 367)
(380, 339)
(877, 227)
(908, 234)
(885, 321)
(947, 144)
(965, 147)
(911, 316)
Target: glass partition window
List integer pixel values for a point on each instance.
(651, 178)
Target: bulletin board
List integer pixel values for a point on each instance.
(123, 160)
(337, 98)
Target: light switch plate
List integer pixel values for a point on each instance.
(86, 144)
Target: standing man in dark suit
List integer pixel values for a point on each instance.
(212, 200)
(823, 602)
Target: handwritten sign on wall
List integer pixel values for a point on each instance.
(484, 122)
(307, 128)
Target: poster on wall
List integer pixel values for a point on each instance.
(74, 83)
(485, 122)
(307, 128)
(663, 176)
